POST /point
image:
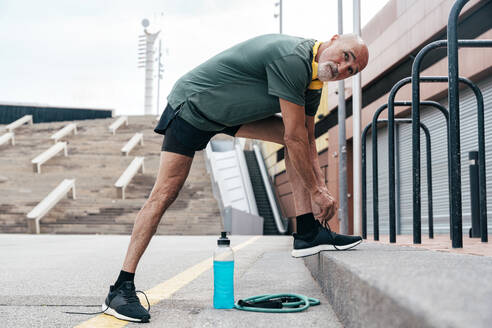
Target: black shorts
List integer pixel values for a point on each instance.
(183, 138)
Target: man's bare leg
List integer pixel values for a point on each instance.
(272, 129)
(173, 171)
(302, 197)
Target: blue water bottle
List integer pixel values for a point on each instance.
(223, 274)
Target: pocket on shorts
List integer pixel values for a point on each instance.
(167, 116)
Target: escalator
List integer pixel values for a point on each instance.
(243, 190)
(261, 196)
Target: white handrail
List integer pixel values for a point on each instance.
(116, 124)
(269, 190)
(137, 137)
(123, 181)
(6, 137)
(46, 155)
(24, 119)
(64, 131)
(35, 215)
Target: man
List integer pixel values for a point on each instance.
(238, 92)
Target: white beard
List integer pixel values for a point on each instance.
(327, 71)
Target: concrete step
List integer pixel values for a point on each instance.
(85, 214)
(377, 285)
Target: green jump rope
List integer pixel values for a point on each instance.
(276, 303)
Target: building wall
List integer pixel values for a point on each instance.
(399, 30)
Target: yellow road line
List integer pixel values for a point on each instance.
(162, 291)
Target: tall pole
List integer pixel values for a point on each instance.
(342, 144)
(356, 128)
(280, 16)
(149, 70)
(159, 76)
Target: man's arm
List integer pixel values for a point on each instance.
(315, 160)
(312, 148)
(297, 142)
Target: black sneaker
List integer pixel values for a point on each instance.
(322, 239)
(123, 303)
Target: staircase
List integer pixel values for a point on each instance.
(95, 161)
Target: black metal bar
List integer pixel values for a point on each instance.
(391, 146)
(391, 173)
(474, 195)
(391, 160)
(417, 233)
(416, 178)
(398, 180)
(430, 206)
(363, 178)
(454, 137)
(429, 174)
(481, 141)
(481, 157)
(416, 118)
(375, 190)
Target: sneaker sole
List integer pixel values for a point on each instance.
(115, 314)
(315, 250)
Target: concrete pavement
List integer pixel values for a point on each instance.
(44, 275)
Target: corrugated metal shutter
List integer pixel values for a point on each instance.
(436, 123)
(434, 120)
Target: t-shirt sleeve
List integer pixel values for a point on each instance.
(312, 101)
(288, 78)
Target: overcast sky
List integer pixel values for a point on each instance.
(84, 53)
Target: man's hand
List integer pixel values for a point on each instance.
(326, 203)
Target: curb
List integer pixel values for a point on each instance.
(380, 286)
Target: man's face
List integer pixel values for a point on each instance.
(344, 57)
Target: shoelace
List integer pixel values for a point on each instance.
(132, 298)
(327, 226)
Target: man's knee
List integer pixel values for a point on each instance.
(159, 201)
(171, 177)
(166, 192)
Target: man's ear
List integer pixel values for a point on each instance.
(333, 38)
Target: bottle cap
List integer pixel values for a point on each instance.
(223, 240)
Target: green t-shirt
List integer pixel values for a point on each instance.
(243, 84)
